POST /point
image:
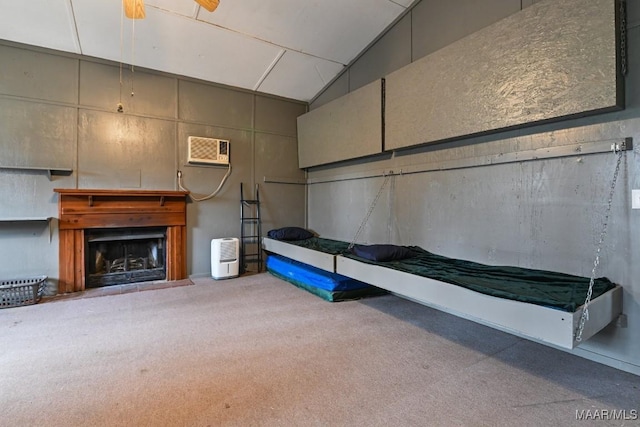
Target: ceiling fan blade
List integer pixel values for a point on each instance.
(210, 5)
(134, 9)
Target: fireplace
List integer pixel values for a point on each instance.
(110, 237)
(127, 255)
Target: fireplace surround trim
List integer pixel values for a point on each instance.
(82, 209)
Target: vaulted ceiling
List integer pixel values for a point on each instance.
(289, 48)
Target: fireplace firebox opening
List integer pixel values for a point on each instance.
(125, 255)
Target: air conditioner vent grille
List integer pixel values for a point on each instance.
(208, 150)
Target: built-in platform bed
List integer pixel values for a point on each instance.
(519, 309)
(318, 252)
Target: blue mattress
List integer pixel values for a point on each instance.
(330, 286)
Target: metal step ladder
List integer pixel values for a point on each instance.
(250, 232)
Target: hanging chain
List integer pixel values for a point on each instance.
(623, 37)
(390, 203)
(585, 310)
(366, 218)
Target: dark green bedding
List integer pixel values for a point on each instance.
(328, 246)
(551, 289)
(547, 288)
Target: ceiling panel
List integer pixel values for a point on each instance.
(288, 48)
(181, 7)
(42, 23)
(332, 29)
(185, 49)
(98, 25)
(299, 76)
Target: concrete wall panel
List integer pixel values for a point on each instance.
(36, 135)
(123, 151)
(276, 160)
(38, 75)
(437, 24)
(29, 249)
(339, 87)
(394, 47)
(278, 116)
(213, 105)
(154, 94)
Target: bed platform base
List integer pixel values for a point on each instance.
(534, 322)
(317, 259)
(538, 323)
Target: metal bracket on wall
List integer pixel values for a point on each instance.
(626, 144)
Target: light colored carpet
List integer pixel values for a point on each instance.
(257, 351)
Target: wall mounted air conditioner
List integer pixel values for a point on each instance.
(207, 151)
(225, 263)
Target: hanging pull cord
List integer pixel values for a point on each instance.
(366, 218)
(120, 107)
(596, 262)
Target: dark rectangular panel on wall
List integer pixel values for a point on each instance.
(345, 128)
(555, 59)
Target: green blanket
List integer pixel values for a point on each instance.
(552, 289)
(328, 246)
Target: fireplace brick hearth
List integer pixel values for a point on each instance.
(82, 210)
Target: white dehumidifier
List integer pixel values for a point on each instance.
(224, 258)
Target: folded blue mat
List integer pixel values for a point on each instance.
(327, 285)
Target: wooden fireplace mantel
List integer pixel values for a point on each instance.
(82, 209)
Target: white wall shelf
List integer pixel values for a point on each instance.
(48, 171)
